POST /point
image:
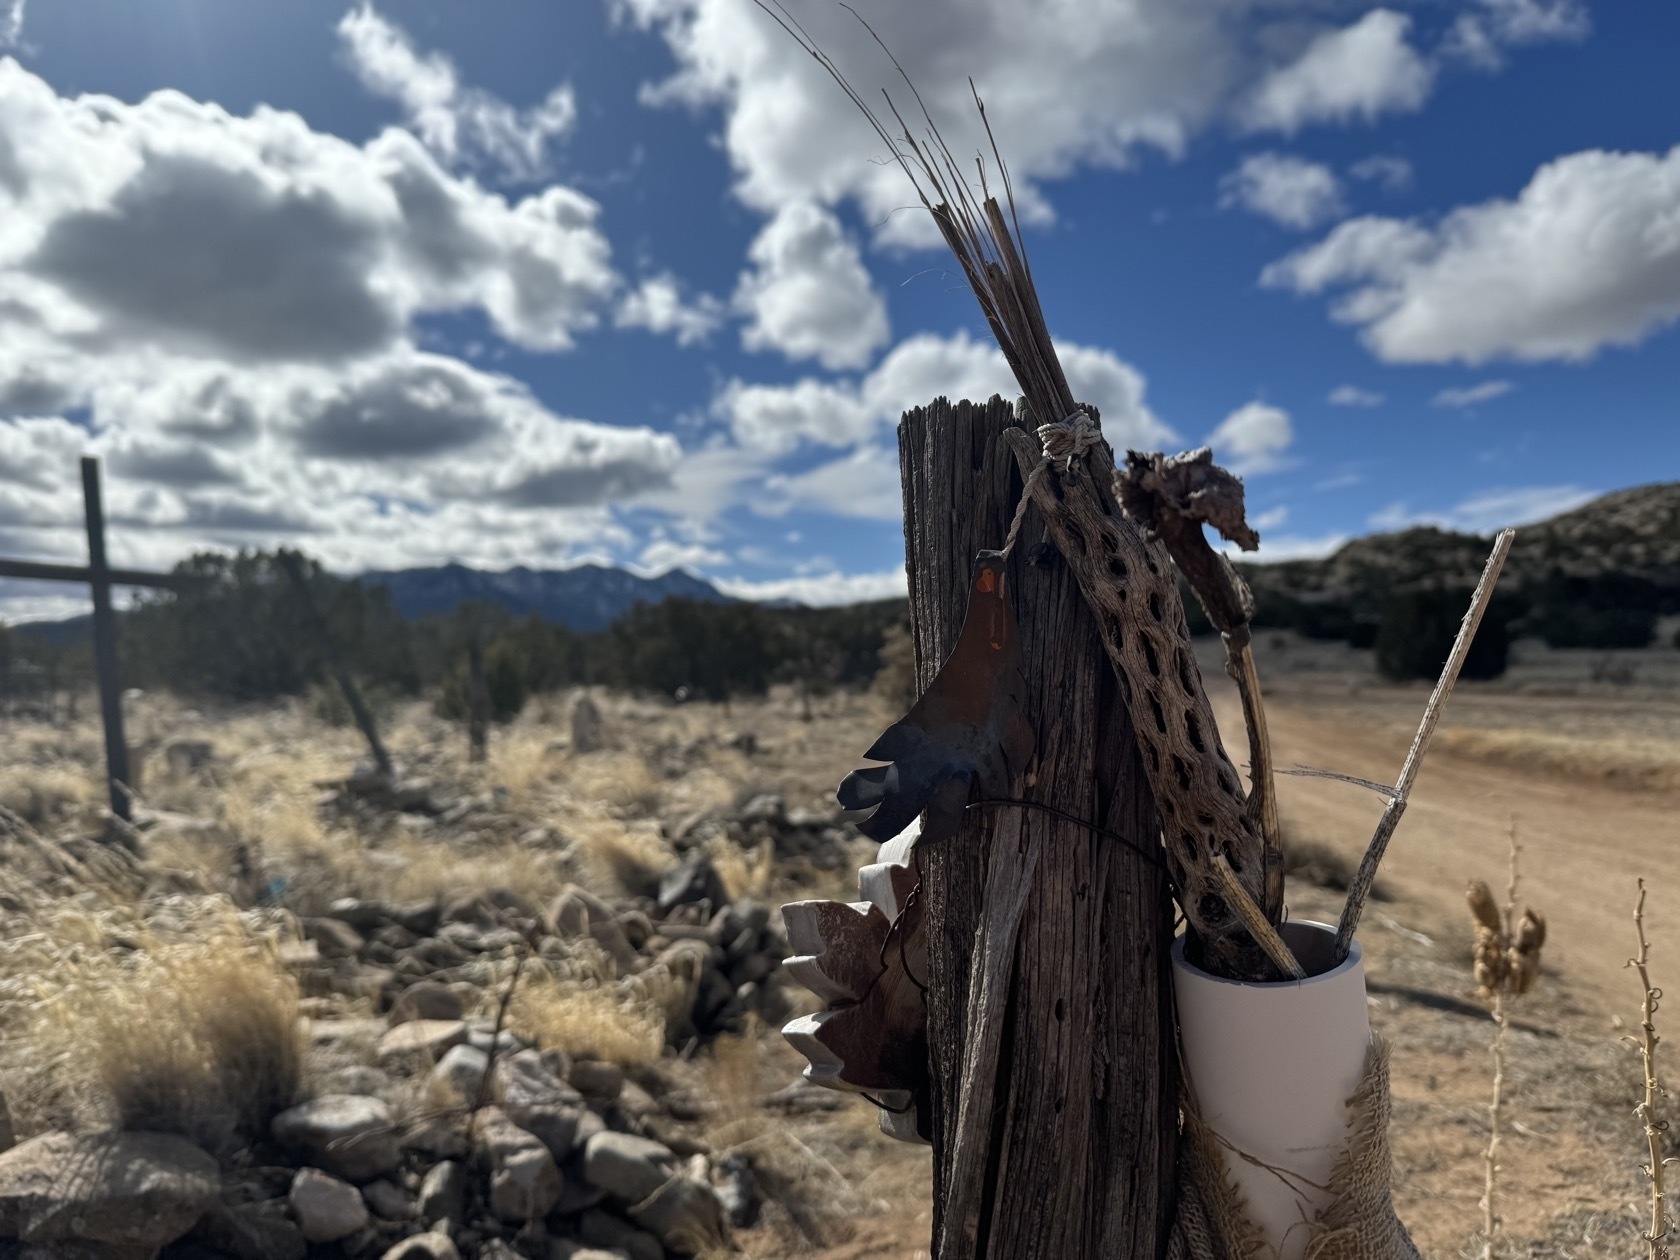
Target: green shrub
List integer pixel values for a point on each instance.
(1417, 632)
(1584, 626)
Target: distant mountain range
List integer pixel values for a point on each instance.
(588, 597)
(1632, 533)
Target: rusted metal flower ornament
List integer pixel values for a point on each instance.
(867, 960)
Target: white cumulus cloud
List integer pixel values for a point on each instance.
(1488, 511)
(1285, 189)
(1253, 438)
(657, 304)
(1586, 256)
(457, 122)
(1360, 71)
(776, 418)
(1383, 169)
(1354, 396)
(1128, 75)
(808, 293)
(1470, 395)
(821, 590)
(230, 303)
(1481, 34)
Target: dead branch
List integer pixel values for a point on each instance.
(1367, 873)
(1656, 1238)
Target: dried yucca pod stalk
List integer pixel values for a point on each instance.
(1507, 958)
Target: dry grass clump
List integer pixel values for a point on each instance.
(521, 761)
(43, 794)
(586, 1021)
(621, 779)
(744, 872)
(195, 1034)
(1646, 762)
(608, 854)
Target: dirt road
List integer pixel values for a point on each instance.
(1570, 1160)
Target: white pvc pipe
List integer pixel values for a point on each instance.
(1271, 1067)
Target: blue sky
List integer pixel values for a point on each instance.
(629, 280)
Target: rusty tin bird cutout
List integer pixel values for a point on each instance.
(967, 727)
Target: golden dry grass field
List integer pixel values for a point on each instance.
(169, 986)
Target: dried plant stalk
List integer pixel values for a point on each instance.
(1507, 963)
(1656, 1238)
(1367, 873)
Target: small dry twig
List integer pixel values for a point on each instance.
(1656, 1238)
(481, 1096)
(1367, 873)
(1507, 956)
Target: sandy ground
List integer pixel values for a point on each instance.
(1543, 745)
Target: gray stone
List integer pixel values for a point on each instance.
(333, 937)
(627, 1166)
(420, 917)
(427, 1000)
(326, 1208)
(8, 1135)
(596, 1079)
(587, 732)
(566, 1249)
(600, 1228)
(737, 1189)
(695, 881)
(443, 1192)
(424, 1247)
(524, 1179)
(357, 1078)
(686, 1215)
(364, 916)
(578, 912)
(252, 1231)
(348, 1135)
(766, 807)
(429, 1039)
(538, 1101)
(128, 1190)
(389, 1201)
(458, 1075)
(589, 1124)
(505, 1041)
(439, 1136)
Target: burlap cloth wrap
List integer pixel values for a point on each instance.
(1359, 1225)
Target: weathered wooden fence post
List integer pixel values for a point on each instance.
(292, 564)
(1080, 1161)
(105, 645)
(478, 699)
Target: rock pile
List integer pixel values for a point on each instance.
(428, 1132)
(817, 839)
